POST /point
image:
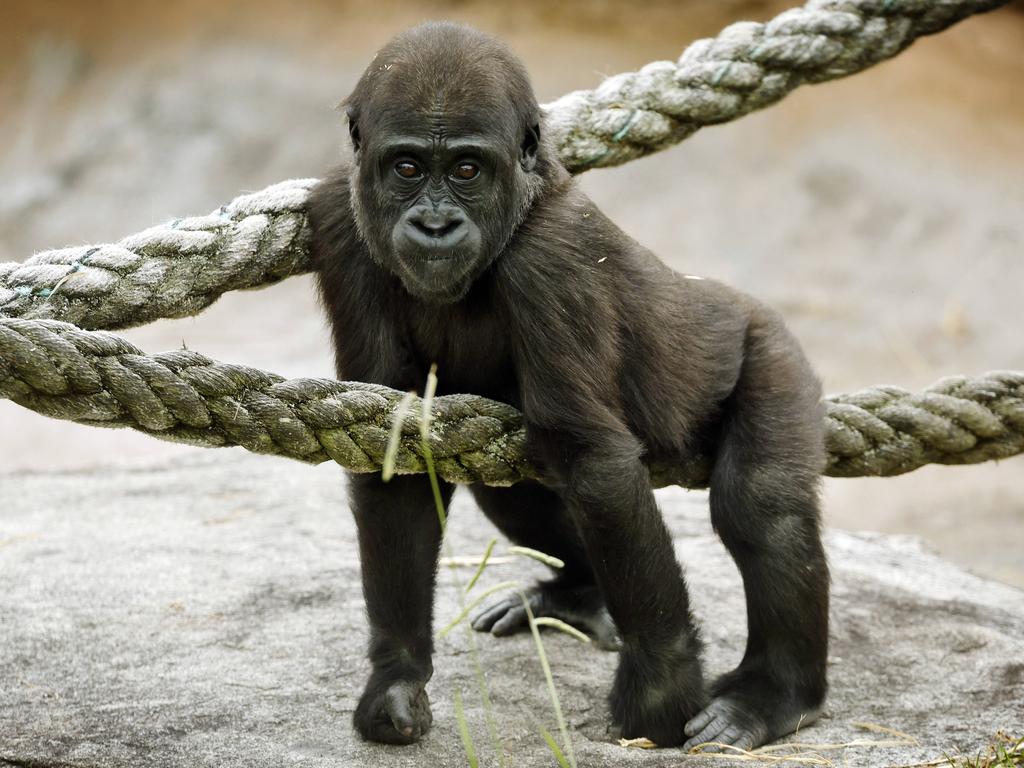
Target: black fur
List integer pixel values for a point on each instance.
(520, 290)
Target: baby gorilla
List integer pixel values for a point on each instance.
(455, 237)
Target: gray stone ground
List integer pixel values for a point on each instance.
(208, 612)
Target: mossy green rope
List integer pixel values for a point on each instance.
(97, 378)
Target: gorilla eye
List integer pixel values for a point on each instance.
(466, 171)
(407, 170)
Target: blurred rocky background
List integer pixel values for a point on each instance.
(883, 214)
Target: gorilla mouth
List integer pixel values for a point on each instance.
(436, 274)
(414, 258)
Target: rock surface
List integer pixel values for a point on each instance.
(208, 612)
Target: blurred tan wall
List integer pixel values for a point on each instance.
(883, 214)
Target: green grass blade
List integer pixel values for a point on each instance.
(395, 438)
(427, 414)
(428, 454)
(561, 626)
(536, 554)
(483, 564)
(467, 740)
(492, 724)
(553, 746)
(562, 727)
(479, 599)
(428, 458)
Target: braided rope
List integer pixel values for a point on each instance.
(747, 67)
(96, 378)
(175, 269)
(180, 268)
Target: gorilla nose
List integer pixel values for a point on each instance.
(437, 227)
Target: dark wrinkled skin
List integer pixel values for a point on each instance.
(453, 236)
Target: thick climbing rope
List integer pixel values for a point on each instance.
(747, 67)
(179, 268)
(97, 378)
(175, 269)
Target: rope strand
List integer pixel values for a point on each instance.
(94, 377)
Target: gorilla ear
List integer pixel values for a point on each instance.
(353, 129)
(529, 147)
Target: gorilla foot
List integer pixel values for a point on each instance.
(582, 607)
(395, 713)
(656, 691)
(748, 715)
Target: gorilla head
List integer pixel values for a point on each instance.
(446, 156)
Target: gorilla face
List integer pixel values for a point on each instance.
(446, 153)
(439, 199)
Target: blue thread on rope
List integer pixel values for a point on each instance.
(599, 157)
(722, 72)
(621, 133)
(23, 290)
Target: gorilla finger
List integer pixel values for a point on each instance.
(383, 731)
(605, 633)
(609, 642)
(487, 617)
(743, 739)
(708, 734)
(513, 621)
(699, 721)
(731, 736)
(398, 705)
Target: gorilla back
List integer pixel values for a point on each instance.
(454, 236)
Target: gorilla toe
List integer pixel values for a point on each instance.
(398, 713)
(726, 722)
(582, 607)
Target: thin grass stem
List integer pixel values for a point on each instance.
(536, 554)
(561, 626)
(387, 470)
(476, 601)
(426, 416)
(467, 740)
(483, 564)
(553, 746)
(542, 655)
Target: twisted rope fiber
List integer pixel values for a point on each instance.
(175, 269)
(97, 378)
(747, 67)
(179, 268)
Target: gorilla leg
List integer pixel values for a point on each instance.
(399, 540)
(533, 516)
(659, 683)
(764, 506)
